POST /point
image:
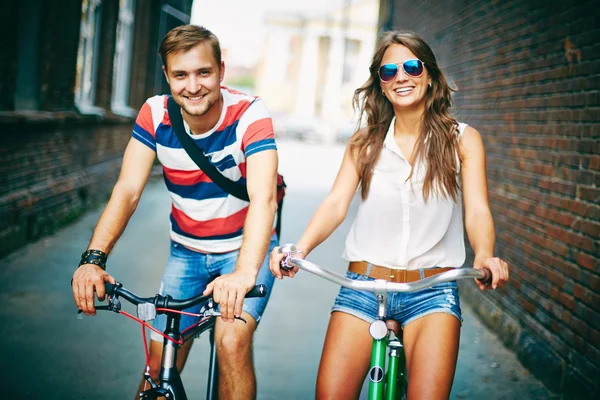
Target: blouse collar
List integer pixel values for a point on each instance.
(390, 141)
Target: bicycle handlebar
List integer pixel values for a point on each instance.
(167, 301)
(484, 275)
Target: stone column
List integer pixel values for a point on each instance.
(305, 94)
(331, 111)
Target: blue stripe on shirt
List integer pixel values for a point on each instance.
(197, 191)
(143, 136)
(166, 137)
(265, 144)
(216, 141)
(225, 163)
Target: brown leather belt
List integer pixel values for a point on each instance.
(393, 275)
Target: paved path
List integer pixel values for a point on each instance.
(50, 353)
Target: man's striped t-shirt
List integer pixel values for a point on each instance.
(203, 216)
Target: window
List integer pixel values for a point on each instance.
(87, 57)
(27, 74)
(170, 18)
(122, 60)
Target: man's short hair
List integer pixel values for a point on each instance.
(186, 37)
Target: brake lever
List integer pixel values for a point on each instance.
(213, 313)
(114, 304)
(289, 250)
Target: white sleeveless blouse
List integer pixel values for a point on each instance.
(395, 228)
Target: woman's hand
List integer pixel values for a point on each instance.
(275, 264)
(499, 270)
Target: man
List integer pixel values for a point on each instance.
(236, 133)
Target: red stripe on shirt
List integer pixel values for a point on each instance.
(180, 177)
(213, 227)
(233, 113)
(144, 119)
(242, 167)
(233, 91)
(165, 120)
(258, 130)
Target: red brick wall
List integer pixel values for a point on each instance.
(52, 171)
(528, 78)
(54, 162)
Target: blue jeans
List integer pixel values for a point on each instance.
(402, 307)
(189, 272)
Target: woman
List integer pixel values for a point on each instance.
(409, 162)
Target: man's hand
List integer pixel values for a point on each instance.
(87, 279)
(499, 270)
(229, 291)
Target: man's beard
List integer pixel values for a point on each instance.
(198, 113)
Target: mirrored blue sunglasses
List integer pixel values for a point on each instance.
(412, 68)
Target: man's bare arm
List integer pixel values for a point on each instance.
(262, 190)
(261, 180)
(135, 170)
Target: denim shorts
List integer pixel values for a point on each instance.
(402, 307)
(189, 272)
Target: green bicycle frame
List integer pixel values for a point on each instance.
(380, 388)
(384, 385)
(392, 385)
(396, 380)
(376, 373)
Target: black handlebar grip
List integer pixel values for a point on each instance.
(110, 288)
(257, 291)
(487, 277)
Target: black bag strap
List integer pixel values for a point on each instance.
(197, 155)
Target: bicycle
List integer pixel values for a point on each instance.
(391, 384)
(171, 385)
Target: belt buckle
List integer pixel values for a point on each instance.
(398, 276)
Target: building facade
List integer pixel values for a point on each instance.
(73, 74)
(528, 78)
(312, 63)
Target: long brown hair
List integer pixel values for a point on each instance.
(437, 142)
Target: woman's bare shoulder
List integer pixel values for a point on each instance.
(471, 141)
